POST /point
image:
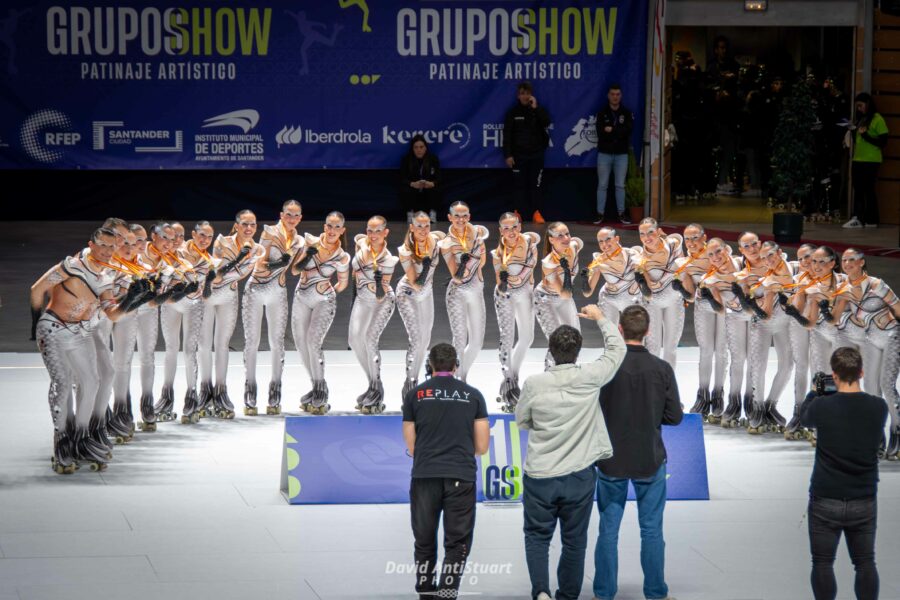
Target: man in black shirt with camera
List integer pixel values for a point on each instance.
(445, 424)
(842, 495)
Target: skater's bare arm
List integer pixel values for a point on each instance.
(592, 283)
(482, 437)
(42, 286)
(409, 434)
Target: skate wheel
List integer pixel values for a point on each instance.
(120, 439)
(250, 411)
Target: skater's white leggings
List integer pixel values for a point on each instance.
(823, 341)
(311, 317)
(105, 372)
(762, 334)
(466, 310)
(551, 311)
(124, 335)
(799, 336)
(271, 298)
(70, 357)
(147, 334)
(417, 312)
(709, 328)
(515, 308)
(220, 312)
(368, 318)
(612, 305)
(881, 357)
(737, 339)
(666, 310)
(190, 311)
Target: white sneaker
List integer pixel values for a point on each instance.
(852, 224)
(433, 216)
(544, 596)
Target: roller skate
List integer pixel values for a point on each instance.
(97, 434)
(756, 419)
(408, 386)
(148, 417)
(90, 450)
(774, 419)
(317, 404)
(362, 397)
(793, 431)
(274, 407)
(190, 413)
(206, 400)
(509, 395)
(63, 460)
(119, 425)
(373, 403)
(250, 399)
(716, 406)
(163, 408)
(732, 414)
(222, 408)
(702, 404)
(892, 451)
(748, 410)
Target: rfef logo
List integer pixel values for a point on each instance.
(45, 134)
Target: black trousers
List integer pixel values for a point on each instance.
(865, 203)
(857, 519)
(528, 176)
(415, 200)
(428, 498)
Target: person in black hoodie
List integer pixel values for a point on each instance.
(614, 126)
(420, 174)
(525, 139)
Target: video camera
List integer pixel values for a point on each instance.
(823, 384)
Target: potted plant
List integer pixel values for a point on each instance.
(635, 194)
(792, 162)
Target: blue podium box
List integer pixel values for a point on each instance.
(355, 459)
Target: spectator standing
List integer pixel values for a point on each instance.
(614, 126)
(567, 437)
(849, 428)
(525, 140)
(420, 174)
(870, 139)
(445, 424)
(640, 398)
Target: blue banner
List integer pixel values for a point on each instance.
(362, 460)
(301, 84)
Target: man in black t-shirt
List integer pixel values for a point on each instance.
(445, 424)
(842, 494)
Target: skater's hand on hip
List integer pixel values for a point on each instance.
(592, 312)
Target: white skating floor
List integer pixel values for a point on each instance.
(194, 512)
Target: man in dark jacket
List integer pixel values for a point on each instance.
(641, 397)
(842, 494)
(614, 126)
(525, 139)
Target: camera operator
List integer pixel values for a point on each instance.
(842, 493)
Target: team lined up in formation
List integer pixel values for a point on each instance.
(126, 284)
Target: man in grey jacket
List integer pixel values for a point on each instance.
(567, 436)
